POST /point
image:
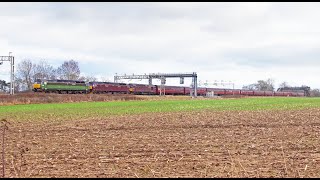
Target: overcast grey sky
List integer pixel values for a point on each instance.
(239, 42)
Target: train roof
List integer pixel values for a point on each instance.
(61, 80)
(100, 82)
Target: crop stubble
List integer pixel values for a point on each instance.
(178, 144)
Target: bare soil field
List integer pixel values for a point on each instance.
(267, 143)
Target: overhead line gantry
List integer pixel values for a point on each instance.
(162, 77)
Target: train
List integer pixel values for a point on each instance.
(82, 87)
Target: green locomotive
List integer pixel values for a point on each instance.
(62, 87)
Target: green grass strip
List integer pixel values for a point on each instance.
(83, 110)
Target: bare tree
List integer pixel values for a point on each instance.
(284, 84)
(44, 71)
(315, 93)
(261, 85)
(4, 87)
(267, 85)
(88, 78)
(69, 70)
(25, 72)
(250, 87)
(18, 84)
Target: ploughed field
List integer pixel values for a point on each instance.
(249, 137)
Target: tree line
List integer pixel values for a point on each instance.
(28, 72)
(268, 85)
(265, 85)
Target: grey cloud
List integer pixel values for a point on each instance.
(203, 37)
(275, 57)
